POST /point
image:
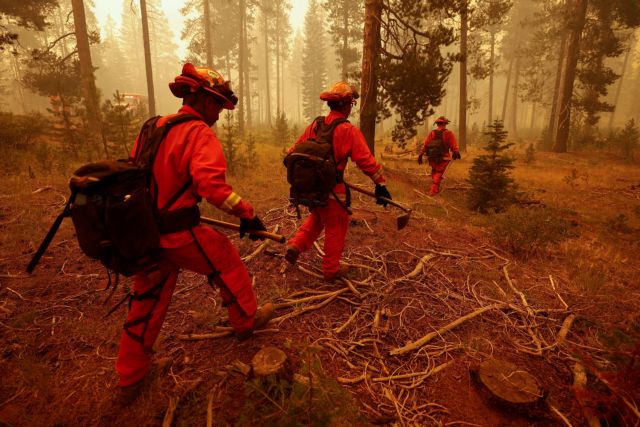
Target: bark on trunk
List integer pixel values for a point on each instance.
(207, 32)
(464, 28)
(514, 101)
(278, 64)
(506, 89)
(553, 116)
(345, 38)
(147, 57)
(617, 97)
(86, 72)
(241, 67)
(491, 62)
(247, 72)
(572, 54)
(370, 58)
(266, 66)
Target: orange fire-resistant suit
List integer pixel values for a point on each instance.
(438, 167)
(348, 141)
(190, 150)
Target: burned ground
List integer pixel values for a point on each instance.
(547, 313)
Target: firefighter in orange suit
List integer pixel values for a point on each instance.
(441, 147)
(191, 159)
(348, 142)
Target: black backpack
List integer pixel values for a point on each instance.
(114, 210)
(312, 169)
(436, 149)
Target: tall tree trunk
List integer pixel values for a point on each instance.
(206, 16)
(506, 89)
(514, 102)
(573, 52)
(532, 125)
(86, 72)
(617, 97)
(370, 58)
(278, 64)
(464, 28)
(247, 70)
(491, 64)
(266, 66)
(241, 67)
(345, 37)
(147, 57)
(553, 117)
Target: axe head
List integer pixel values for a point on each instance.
(403, 219)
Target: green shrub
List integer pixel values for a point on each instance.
(530, 154)
(525, 232)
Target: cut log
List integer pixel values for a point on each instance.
(270, 361)
(509, 384)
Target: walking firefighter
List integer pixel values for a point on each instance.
(440, 147)
(189, 166)
(315, 169)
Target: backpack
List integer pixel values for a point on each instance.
(436, 149)
(312, 171)
(114, 210)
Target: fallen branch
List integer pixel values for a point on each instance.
(422, 341)
(424, 374)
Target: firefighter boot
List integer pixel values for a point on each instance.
(262, 317)
(435, 189)
(342, 272)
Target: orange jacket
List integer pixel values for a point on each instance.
(348, 142)
(449, 139)
(192, 149)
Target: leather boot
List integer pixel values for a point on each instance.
(262, 317)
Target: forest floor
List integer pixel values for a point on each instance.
(569, 305)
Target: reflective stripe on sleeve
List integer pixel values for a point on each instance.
(230, 202)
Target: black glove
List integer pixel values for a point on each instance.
(253, 224)
(456, 155)
(420, 159)
(381, 191)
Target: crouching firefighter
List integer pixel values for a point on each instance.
(315, 168)
(438, 146)
(189, 165)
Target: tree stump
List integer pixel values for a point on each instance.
(270, 361)
(509, 385)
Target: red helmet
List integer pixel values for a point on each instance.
(194, 78)
(442, 119)
(340, 91)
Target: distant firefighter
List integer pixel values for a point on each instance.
(438, 147)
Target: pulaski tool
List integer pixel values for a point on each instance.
(265, 234)
(402, 220)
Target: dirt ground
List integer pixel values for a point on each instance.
(542, 314)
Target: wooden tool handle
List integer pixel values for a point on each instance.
(265, 234)
(372, 194)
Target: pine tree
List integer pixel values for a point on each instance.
(492, 187)
(164, 57)
(346, 22)
(314, 74)
(132, 49)
(281, 133)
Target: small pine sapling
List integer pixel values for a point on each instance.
(629, 139)
(492, 187)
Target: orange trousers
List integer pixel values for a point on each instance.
(335, 222)
(437, 172)
(211, 254)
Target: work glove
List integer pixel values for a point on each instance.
(420, 159)
(381, 191)
(456, 155)
(253, 224)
